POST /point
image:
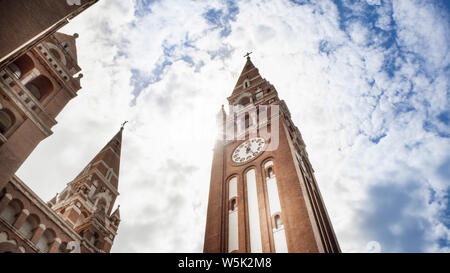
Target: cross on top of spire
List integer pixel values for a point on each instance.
(248, 55)
(123, 124)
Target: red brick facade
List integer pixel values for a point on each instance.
(36, 82)
(25, 23)
(302, 214)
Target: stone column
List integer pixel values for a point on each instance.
(21, 219)
(4, 202)
(38, 233)
(54, 246)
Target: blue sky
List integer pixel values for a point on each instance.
(367, 83)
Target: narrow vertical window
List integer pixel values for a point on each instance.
(6, 120)
(233, 224)
(12, 211)
(233, 205)
(270, 172)
(279, 236)
(108, 175)
(246, 83)
(253, 213)
(28, 227)
(45, 241)
(277, 221)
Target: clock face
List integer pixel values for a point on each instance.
(248, 150)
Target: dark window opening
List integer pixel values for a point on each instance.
(6, 120)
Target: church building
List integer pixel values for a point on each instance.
(37, 80)
(263, 193)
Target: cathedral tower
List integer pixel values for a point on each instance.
(263, 194)
(25, 23)
(86, 203)
(34, 89)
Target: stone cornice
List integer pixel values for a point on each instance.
(18, 234)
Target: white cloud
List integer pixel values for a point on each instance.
(374, 2)
(335, 84)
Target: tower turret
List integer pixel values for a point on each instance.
(87, 201)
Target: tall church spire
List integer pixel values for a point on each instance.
(110, 157)
(250, 86)
(248, 73)
(263, 195)
(87, 201)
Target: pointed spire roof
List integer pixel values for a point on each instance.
(249, 72)
(53, 200)
(116, 213)
(110, 155)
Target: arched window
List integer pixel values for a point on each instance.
(259, 94)
(95, 239)
(34, 90)
(246, 84)
(233, 221)
(29, 226)
(108, 175)
(40, 87)
(15, 70)
(12, 211)
(244, 101)
(277, 221)
(21, 66)
(268, 166)
(9, 246)
(233, 204)
(55, 54)
(6, 120)
(46, 240)
(101, 205)
(63, 248)
(253, 211)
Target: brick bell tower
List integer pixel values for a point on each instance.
(86, 203)
(34, 89)
(263, 194)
